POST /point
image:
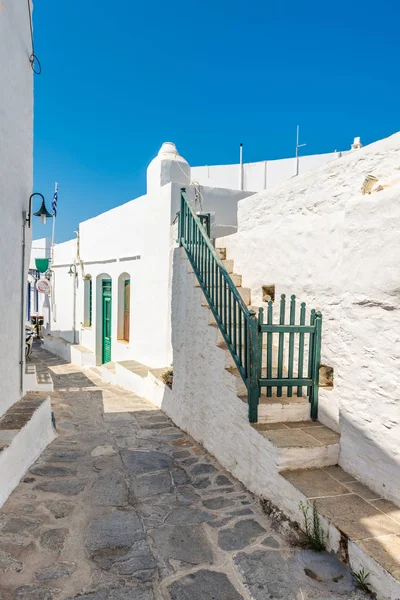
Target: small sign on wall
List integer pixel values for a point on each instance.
(43, 286)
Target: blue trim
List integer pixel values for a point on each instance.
(29, 301)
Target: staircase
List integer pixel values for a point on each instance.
(284, 422)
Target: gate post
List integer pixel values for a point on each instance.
(316, 365)
(255, 344)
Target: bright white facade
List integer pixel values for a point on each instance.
(21, 444)
(16, 168)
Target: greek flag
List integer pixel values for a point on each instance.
(55, 198)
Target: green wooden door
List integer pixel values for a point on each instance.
(107, 312)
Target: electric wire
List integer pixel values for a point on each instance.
(33, 59)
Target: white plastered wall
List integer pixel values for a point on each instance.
(260, 175)
(16, 121)
(319, 238)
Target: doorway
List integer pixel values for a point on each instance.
(107, 313)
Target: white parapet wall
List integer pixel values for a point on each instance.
(24, 448)
(318, 237)
(260, 175)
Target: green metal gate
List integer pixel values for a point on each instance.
(249, 339)
(107, 313)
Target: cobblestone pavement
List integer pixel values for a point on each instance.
(123, 505)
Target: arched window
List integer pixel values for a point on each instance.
(124, 307)
(88, 301)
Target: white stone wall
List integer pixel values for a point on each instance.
(260, 175)
(16, 120)
(319, 238)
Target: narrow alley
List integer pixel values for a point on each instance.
(123, 505)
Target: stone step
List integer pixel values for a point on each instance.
(110, 366)
(241, 388)
(281, 409)
(367, 525)
(228, 264)
(220, 339)
(134, 367)
(237, 280)
(108, 372)
(244, 292)
(95, 370)
(230, 363)
(221, 252)
(307, 444)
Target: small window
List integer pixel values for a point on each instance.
(127, 312)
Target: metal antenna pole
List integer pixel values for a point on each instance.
(297, 148)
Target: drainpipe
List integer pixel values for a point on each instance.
(22, 308)
(74, 306)
(241, 167)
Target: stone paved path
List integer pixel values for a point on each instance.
(123, 505)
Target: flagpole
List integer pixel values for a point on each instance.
(54, 224)
(52, 247)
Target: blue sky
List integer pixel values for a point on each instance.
(121, 77)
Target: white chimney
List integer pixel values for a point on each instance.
(356, 145)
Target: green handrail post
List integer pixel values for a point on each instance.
(254, 366)
(316, 365)
(181, 217)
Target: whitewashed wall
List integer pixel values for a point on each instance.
(319, 238)
(260, 175)
(62, 323)
(16, 121)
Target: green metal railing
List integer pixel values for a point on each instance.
(249, 339)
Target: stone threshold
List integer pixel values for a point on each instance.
(358, 513)
(141, 369)
(303, 434)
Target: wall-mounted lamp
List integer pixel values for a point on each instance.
(72, 271)
(42, 212)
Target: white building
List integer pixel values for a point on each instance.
(128, 302)
(16, 162)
